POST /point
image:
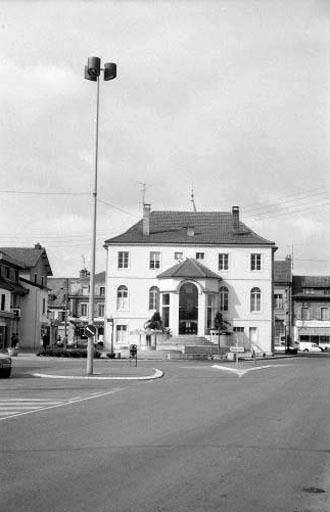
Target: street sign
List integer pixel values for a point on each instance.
(90, 330)
(236, 349)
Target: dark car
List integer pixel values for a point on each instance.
(290, 349)
(5, 366)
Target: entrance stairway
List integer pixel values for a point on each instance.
(185, 347)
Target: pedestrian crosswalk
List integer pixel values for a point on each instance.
(11, 407)
(19, 406)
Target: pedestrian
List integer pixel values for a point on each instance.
(14, 340)
(45, 341)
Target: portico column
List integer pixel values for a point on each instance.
(201, 313)
(174, 313)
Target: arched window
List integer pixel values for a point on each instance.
(154, 298)
(224, 298)
(255, 299)
(122, 297)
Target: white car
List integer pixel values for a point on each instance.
(308, 346)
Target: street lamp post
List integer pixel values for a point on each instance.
(92, 73)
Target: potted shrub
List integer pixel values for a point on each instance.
(222, 327)
(154, 325)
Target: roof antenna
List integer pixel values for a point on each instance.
(193, 199)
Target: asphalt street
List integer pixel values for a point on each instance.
(205, 436)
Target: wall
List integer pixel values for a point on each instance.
(239, 279)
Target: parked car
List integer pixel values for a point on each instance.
(325, 346)
(308, 346)
(5, 366)
(291, 349)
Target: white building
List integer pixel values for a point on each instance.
(188, 266)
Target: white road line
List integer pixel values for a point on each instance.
(39, 407)
(240, 372)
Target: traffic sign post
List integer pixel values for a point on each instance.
(90, 330)
(236, 351)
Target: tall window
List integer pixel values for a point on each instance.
(100, 309)
(223, 261)
(123, 259)
(211, 308)
(324, 313)
(83, 309)
(122, 297)
(102, 290)
(3, 302)
(255, 261)
(255, 299)
(43, 306)
(278, 301)
(166, 309)
(154, 261)
(7, 272)
(154, 298)
(223, 296)
(121, 333)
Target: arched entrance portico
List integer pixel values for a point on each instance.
(188, 309)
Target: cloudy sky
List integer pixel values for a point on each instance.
(230, 97)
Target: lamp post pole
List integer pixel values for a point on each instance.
(92, 73)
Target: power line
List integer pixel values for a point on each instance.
(38, 193)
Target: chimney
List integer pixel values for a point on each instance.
(37, 246)
(146, 219)
(235, 212)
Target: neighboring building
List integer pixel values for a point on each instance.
(33, 267)
(11, 293)
(282, 283)
(187, 266)
(311, 308)
(69, 307)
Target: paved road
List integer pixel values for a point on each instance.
(201, 439)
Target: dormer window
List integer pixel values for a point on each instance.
(190, 232)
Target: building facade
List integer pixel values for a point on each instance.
(187, 266)
(69, 308)
(282, 301)
(311, 308)
(28, 273)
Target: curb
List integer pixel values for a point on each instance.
(157, 375)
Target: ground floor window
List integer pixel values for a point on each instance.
(238, 329)
(121, 333)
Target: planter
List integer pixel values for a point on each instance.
(12, 351)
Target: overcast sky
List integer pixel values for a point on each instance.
(230, 97)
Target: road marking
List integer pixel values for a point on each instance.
(240, 372)
(18, 407)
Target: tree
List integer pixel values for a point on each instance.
(155, 322)
(220, 324)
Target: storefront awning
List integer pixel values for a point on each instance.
(314, 331)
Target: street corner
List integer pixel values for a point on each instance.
(126, 374)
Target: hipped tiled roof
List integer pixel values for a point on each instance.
(282, 271)
(189, 268)
(28, 255)
(171, 227)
